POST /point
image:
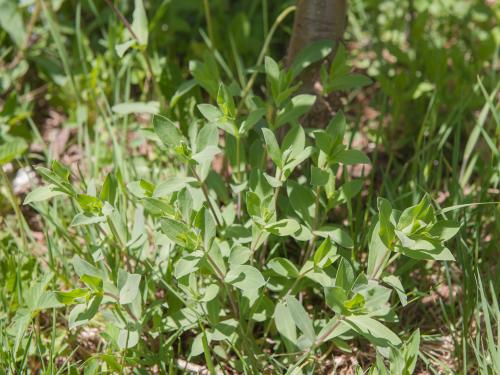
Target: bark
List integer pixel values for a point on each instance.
(316, 20)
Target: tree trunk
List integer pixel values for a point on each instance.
(316, 20)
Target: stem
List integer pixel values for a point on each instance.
(208, 18)
(204, 189)
(128, 26)
(263, 51)
(310, 246)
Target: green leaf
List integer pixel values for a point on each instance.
(272, 69)
(210, 112)
(285, 326)
(373, 330)
(206, 155)
(298, 106)
(123, 47)
(140, 23)
(335, 297)
(349, 82)
(81, 314)
(336, 234)
(172, 185)
(130, 290)
(245, 277)
(166, 130)
(42, 193)
(86, 219)
(386, 226)
(127, 339)
(252, 119)
(350, 157)
(14, 148)
(182, 90)
(225, 102)
(312, 53)
(396, 284)
(445, 229)
(301, 319)
(70, 297)
(83, 267)
(188, 264)
(136, 107)
(284, 227)
(272, 146)
(179, 233)
(351, 188)
(325, 254)
(253, 204)
(294, 142)
(11, 21)
(319, 177)
(283, 267)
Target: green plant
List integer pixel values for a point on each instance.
(235, 253)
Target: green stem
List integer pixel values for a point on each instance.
(204, 189)
(263, 51)
(208, 18)
(20, 218)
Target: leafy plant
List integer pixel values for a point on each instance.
(238, 252)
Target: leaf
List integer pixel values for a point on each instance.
(130, 289)
(284, 227)
(335, 297)
(252, 119)
(319, 177)
(206, 155)
(300, 317)
(312, 53)
(336, 234)
(396, 284)
(350, 157)
(166, 130)
(373, 330)
(182, 90)
(140, 23)
(324, 254)
(172, 185)
(127, 339)
(445, 229)
(42, 193)
(298, 106)
(82, 313)
(210, 112)
(225, 102)
(272, 146)
(123, 47)
(70, 297)
(136, 107)
(272, 69)
(283, 267)
(14, 148)
(295, 141)
(245, 277)
(86, 219)
(11, 21)
(253, 204)
(425, 250)
(208, 136)
(349, 82)
(179, 233)
(188, 264)
(386, 227)
(285, 325)
(352, 188)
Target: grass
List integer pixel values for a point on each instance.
(429, 124)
